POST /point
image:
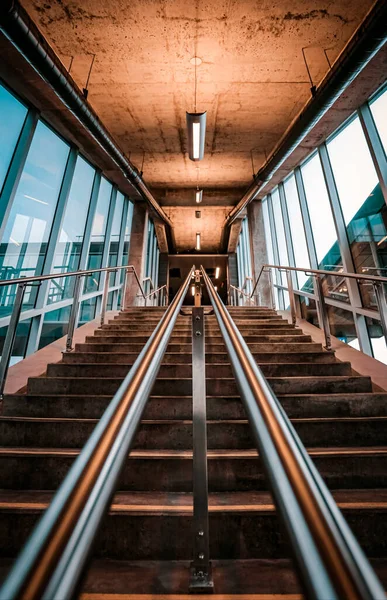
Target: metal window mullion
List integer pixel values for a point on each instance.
(106, 247)
(345, 250)
(275, 249)
(89, 222)
(375, 146)
(16, 167)
(120, 252)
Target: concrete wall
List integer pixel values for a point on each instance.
(136, 252)
(258, 248)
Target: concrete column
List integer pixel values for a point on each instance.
(258, 248)
(138, 239)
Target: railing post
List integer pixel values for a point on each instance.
(382, 306)
(11, 336)
(198, 289)
(201, 574)
(105, 296)
(74, 313)
(291, 297)
(124, 285)
(324, 320)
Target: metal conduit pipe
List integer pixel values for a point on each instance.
(367, 40)
(22, 32)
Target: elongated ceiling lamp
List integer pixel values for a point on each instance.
(198, 191)
(196, 128)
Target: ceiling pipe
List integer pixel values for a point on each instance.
(22, 32)
(367, 40)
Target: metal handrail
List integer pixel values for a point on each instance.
(157, 291)
(38, 278)
(359, 276)
(53, 560)
(329, 559)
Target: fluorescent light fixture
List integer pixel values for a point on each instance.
(193, 290)
(198, 196)
(217, 272)
(382, 240)
(215, 288)
(35, 199)
(197, 241)
(14, 242)
(196, 132)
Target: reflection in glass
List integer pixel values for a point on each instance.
(27, 231)
(55, 326)
(69, 245)
(342, 325)
(379, 111)
(300, 249)
(98, 231)
(378, 341)
(12, 117)
(21, 340)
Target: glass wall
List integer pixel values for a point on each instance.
(340, 193)
(10, 129)
(151, 269)
(60, 215)
(244, 259)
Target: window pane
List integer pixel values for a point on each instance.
(352, 167)
(28, 227)
(297, 230)
(12, 117)
(342, 325)
(279, 227)
(55, 326)
(21, 340)
(69, 246)
(378, 341)
(379, 112)
(361, 200)
(324, 233)
(98, 234)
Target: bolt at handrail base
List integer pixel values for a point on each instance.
(201, 582)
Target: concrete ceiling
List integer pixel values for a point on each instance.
(252, 80)
(252, 83)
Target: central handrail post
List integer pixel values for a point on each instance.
(201, 580)
(324, 319)
(74, 313)
(11, 336)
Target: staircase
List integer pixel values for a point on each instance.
(145, 545)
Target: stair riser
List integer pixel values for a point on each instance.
(177, 435)
(175, 475)
(169, 537)
(92, 407)
(258, 348)
(212, 370)
(278, 340)
(181, 357)
(215, 387)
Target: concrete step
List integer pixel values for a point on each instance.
(271, 328)
(275, 337)
(186, 357)
(180, 407)
(177, 434)
(212, 369)
(186, 346)
(215, 387)
(171, 470)
(243, 525)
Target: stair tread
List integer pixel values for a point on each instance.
(187, 454)
(178, 502)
